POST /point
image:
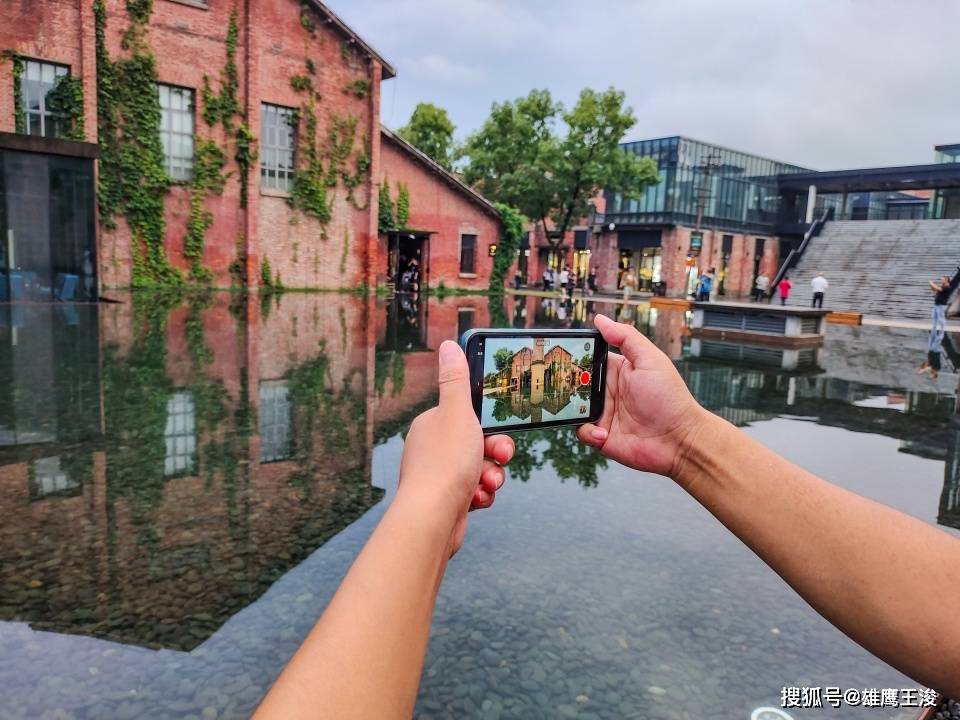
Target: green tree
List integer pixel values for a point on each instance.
(502, 357)
(549, 162)
(586, 360)
(431, 131)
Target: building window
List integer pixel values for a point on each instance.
(468, 254)
(277, 139)
(38, 79)
(180, 435)
(274, 421)
(176, 131)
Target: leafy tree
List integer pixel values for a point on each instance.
(502, 358)
(430, 130)
(549, 162)
(586, 360)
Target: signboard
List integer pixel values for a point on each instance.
(696, 240)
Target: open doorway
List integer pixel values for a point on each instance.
(408, 260)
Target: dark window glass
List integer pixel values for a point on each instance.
(38, 79)
(277, 131)
(468, 253)
(176, 130)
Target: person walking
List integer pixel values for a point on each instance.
(760, 287)
(592, 282)
(819, 285)
(784, 288)
(629, 283)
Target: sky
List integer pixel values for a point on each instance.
(825, 84)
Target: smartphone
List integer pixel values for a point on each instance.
(529, 379)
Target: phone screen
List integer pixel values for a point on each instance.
(537, 380)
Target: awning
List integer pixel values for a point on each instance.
(580, 239)
(638, 239)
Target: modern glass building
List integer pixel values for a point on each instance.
(726, 189)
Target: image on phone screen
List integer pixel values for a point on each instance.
(530, 380)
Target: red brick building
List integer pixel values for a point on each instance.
(451, 228)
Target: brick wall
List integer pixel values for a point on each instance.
(444, 211)
(189, 43)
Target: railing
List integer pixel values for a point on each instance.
(793, 257)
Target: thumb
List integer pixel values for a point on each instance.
(454, 376)
(633, 345)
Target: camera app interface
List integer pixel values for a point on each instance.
(536, 379)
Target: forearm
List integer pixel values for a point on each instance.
(364, 657)
(873, 572)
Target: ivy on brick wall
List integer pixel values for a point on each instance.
(65, 100)
(223, 106)
(393, 215)
(133, 182)
(208, 177)
(512, 221)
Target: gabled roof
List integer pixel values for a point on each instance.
(334, 19)
(445, 175)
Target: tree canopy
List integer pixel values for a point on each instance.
(549, 162)
(430, 130)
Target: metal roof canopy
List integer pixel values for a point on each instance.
(907, 177)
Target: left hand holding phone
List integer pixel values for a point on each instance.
(448, 466)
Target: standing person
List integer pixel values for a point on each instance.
(546, 279)
(629, 283)
(784, 288)
(592, 282)
(942, 291)
(761, 287)
(705, 286)
(571, 283)
(517, 279)
(819, 285)
(563, 279)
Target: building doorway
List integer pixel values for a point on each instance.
(726, 250)
(408, 260)
(759, 244)
(48, 239)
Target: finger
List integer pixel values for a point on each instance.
(633, 345)
(454, 376)
(482, 500)
(499, 448)
(492, 476)
(592, 435)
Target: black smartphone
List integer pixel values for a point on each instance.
(529, 379)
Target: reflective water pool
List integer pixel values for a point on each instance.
(184, 482)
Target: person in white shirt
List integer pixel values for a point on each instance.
(819, 285)
(564, 278)
(761, 287)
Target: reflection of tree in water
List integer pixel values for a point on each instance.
(389, 363)
(559, 447)
(518, 404)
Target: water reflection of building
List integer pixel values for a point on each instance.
(189, 456)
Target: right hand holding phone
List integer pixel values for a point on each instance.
(649, 415)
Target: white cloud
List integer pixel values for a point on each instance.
(437, 67)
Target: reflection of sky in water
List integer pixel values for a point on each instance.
(624, 600)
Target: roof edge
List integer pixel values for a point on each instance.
(388, 70)
(445, 174)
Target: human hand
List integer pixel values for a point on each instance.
(448, 467)
(649, 415)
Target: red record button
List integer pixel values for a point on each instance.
(584, 377)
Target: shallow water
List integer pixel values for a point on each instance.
(184, 483)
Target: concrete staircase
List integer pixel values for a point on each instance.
(879, 268)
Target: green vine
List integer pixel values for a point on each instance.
(513, 221)
(246, 157)
(403, 206)
(301, 83)
(208, 176)
(223, 106)
(385, 219)
(344, 253)
(65, 100)
(309, 192)
(266, 273)
(133, 182)
(359, 88)
(20, 117)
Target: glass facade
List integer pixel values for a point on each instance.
(38, 81)
(731, 190)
